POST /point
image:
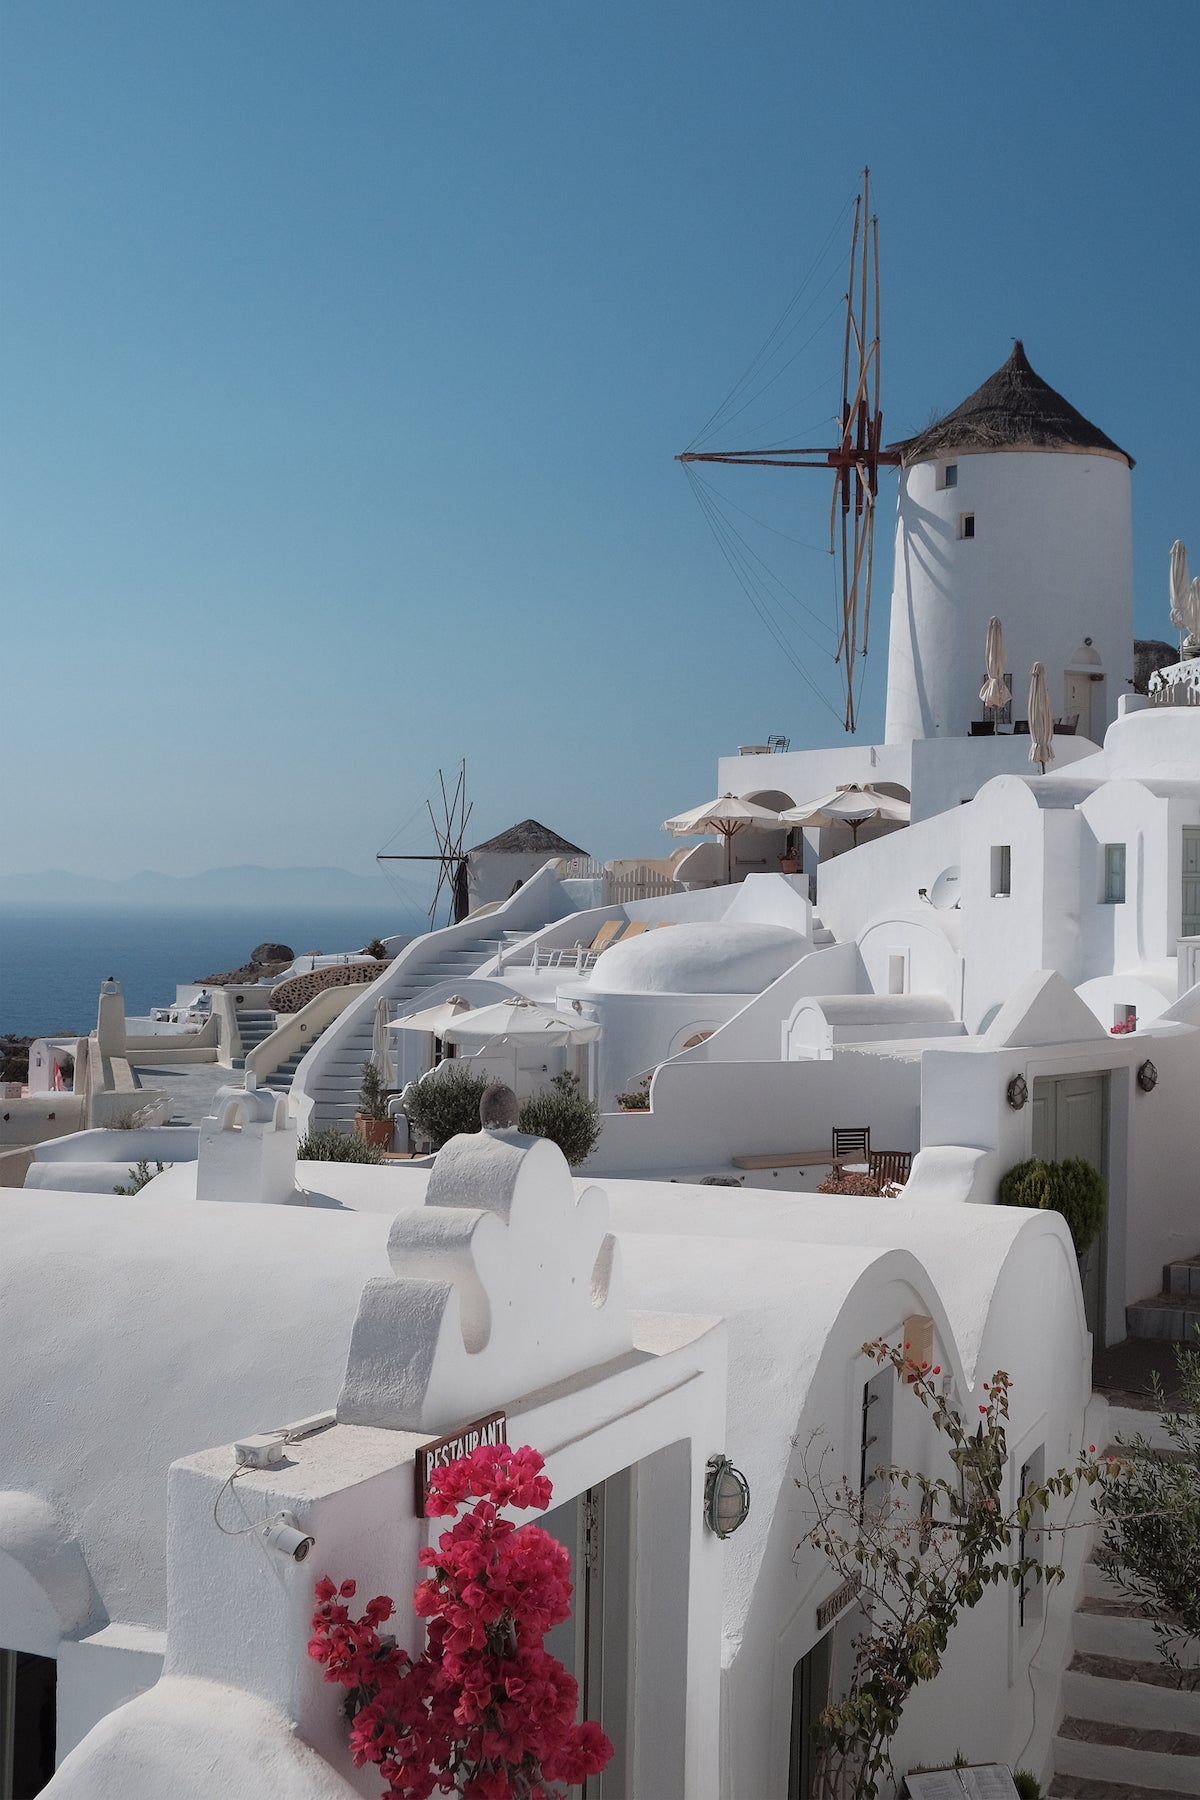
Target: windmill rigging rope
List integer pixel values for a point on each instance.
(746, 581)
(767, 348)
(834, 310)
(719, 502)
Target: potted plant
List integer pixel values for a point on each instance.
(1073, 1188)
(372, 1120)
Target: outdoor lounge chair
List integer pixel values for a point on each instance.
(584, 955)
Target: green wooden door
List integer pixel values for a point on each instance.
(1190, 925)
(1070, 1118)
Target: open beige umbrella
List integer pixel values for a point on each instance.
(1041, 718)
(433, 1018)
(995, 692)
(853, 804)
(723, 817)
(520, 1021)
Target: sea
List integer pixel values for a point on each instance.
(53, 958)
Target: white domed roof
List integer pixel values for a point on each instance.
(709, 958)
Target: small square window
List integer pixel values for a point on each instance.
(1001, 871)
(1114, 874)
(966, 525)
(947, 475)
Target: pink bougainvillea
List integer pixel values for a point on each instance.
(485, 1711)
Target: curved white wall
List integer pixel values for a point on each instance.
(1051, 557)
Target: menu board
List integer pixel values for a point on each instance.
(981, 1781)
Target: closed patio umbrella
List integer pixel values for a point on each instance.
(854, 804)
(520, 1021)
(724, 817)
(995, 692)
(1041, 718)
(1185, 598)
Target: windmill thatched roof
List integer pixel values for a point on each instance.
(528, 839)
(1014, 409)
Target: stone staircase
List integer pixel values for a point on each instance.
(254, 1024)
(1173, 1315)
(335, 1091)
(1128, 1731)
(280, 1077)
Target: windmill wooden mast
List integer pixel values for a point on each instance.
(450, 855)
(857, 457)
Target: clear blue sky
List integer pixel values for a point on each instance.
(347, 347)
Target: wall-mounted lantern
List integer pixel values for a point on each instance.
(726, 1497)
(1017, 1092)
(1147, 1076)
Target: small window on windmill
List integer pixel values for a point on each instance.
(947, 475)
(966, 525)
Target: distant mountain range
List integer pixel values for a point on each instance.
(249, 884)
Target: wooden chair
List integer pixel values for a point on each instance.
(635, 930)
(852, 1143)
(891, 1166)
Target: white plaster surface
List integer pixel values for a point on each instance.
(195, 1740)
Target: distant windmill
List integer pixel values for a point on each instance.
(857, 457)
(450, 856)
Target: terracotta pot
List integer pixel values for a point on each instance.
(375, 1131)
(790, 865)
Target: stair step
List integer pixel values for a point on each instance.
(1183, 1277)
(1146, 1758)
(1172, 1317)
(1129, 1693)
(1075, 1787)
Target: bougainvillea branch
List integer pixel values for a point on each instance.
(485, 1711)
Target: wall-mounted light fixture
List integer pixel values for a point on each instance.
(726, 1497)
(1017, 1092)
(1147, 1076)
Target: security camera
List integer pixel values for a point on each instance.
(283, 1534)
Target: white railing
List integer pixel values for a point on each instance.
(1176, 685)
(621, 885)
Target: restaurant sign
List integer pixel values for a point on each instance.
(491, 1429)
(838, 1601)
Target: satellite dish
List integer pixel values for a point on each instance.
(944, 892)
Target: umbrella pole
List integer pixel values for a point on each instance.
(729, 859)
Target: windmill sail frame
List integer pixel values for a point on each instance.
(857, 457)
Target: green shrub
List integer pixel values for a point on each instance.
(563, 1115)
(372, 1093)
(637, 1099)
(139, 1175)
(331, 1145)
(1073, 1188)
(1028, 1786)
(446, 1106)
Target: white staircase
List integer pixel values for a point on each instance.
(1129, 1732)
(335, 1087)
